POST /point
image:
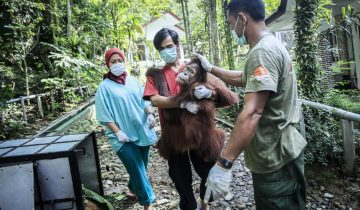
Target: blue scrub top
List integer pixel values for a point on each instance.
(123, 105)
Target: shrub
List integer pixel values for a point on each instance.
(348, 100)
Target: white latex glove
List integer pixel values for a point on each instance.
(191, 106)
(201, 92)
(122, 137)
(204, 62)
(218, 183)
(150, 121)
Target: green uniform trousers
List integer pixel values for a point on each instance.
(283, 189)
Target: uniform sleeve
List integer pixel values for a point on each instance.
(262, 72)
(150, 89)
(103, 111)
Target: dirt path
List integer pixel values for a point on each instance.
(325, 189)
(115, 182)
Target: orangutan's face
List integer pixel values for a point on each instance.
(186, 76)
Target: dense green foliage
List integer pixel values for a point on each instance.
(346, 100)
(37, 47)
(48, 45)
(321, 128)
(48, 41)
(52, 45)
(324, 136)
(271, 6)
(305, 28)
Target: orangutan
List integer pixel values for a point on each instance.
(183, 130)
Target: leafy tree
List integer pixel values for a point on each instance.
(57, 44)
(228, 40)
(186, 21)
(214, 31)
(271, 6)
(23, 19)
(305, 27)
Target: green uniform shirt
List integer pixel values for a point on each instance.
(268, 67)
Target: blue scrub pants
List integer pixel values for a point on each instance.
(135, 159)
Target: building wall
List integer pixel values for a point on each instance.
(340, 46)
(355, 77)
(353, 39)
(325, 63)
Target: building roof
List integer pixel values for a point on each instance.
(166, 20)
(165, 13)
(282, 19)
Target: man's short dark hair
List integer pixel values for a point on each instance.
(163, 34)
(255, 8)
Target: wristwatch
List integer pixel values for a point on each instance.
(225, 163)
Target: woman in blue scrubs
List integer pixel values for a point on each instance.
(128, 121)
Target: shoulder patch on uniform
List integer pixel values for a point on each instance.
(260, 73)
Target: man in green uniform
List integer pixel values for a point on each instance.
(264, 130)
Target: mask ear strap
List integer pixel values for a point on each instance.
(245, 21)
(237, 19)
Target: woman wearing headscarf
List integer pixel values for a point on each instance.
(128, 122)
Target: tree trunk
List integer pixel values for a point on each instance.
(305, 28)
(208, 30)
(68, 18)
(93, 51)
(115, 25)
(130, 57)
(54, 19)
(214, 32)
(185, 25)
(2, 118)
(46, 35)
(191, 48)
(26, 78)
(229, 41)
(23, 67)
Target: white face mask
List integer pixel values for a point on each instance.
(242, 39)
(117, 69)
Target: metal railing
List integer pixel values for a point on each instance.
(60, 125)
(348, 119)
(39, 102)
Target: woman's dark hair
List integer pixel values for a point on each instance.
(255, 8)
(163, 34)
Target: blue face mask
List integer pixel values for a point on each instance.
(168, 55)
(239, 40)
